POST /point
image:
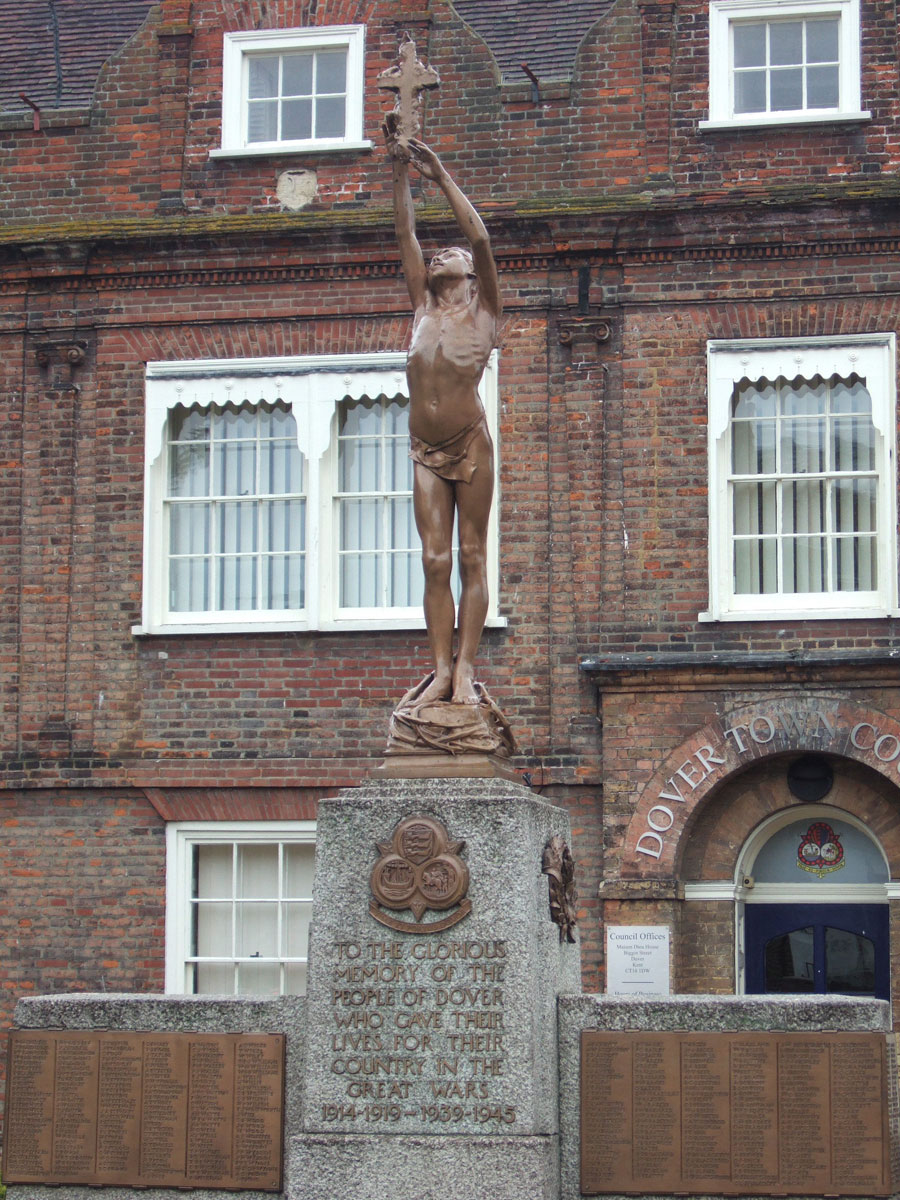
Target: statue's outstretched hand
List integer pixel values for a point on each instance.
(426, 161)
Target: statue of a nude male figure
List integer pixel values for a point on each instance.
(457, 307)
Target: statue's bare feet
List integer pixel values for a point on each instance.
(464, 691)
(440, 688)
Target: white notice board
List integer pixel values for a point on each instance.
(637, 960)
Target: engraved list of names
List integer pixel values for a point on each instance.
(734, 1114)
(145, 1109)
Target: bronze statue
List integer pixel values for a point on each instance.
(456, 298)
(457, 305)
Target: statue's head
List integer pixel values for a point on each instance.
(452, 260)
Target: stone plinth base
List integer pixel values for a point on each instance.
(372, 1167)
(445, 766)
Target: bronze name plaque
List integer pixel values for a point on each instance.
(735, 1114)
(145, 1109)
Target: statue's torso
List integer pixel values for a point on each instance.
(447, 354)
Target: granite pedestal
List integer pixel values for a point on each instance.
(432, 1047)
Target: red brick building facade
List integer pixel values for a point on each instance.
(693, 209)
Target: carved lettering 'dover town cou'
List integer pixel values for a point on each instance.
(753, 733)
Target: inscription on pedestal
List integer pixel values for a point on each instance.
(417, 1036)
(734, 1113)
(145, 1109)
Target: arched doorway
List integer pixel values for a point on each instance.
(813, 912)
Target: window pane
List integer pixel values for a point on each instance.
(235, 584)
(849, 963)
(214, 979)
(755, 509)
(755, 399)
(754, 447)
(299, 867)
(822, 87)
(360, 417)
(805, 564)
(296, 120)
(856, 564)
(213, 930)
(790, 962)
(297, 74)
(749, 45)
(853, 444)
(407, 582)
(262, 979)
(785, 43)
(257, 875)
(283, 525)
(234, 468)
(756, 566)
(804, 397)
(262, 121)
(330, 117)
(283, 582)
(822, 41)
(850, 397)
(361, 581)
(786, 89)
(189, 528)
(262, 74)
(750, 92)
(189, 470)
(189, 584)
(804, 506)
(295, 929)
(213, 871)
(256, 930)
(331, 71)
(361, 524)
(854, 505)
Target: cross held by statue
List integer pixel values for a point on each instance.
(408, 80)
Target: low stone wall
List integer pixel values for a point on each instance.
(691, 1014)
(171, 1014)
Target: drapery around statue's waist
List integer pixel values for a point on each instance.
(450, 458)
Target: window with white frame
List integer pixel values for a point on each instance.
(782, 61)
(293, 90)
(238, 904)
(802, 504)
(279, 495)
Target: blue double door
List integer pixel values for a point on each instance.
(838, 949)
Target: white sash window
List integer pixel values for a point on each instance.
(802, 486)
(279, 495)
(238, 907)
(783, 62)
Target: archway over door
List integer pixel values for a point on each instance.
(815, 909)
(726, 870)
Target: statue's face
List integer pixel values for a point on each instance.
(451, 263)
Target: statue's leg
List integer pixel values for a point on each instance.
(473, 504)
(433, 507)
